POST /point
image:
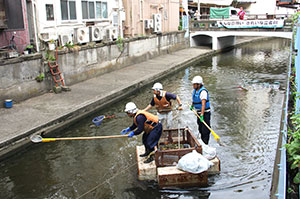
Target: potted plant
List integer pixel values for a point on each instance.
(28, 49)
(51, 44)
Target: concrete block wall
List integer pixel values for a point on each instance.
(17, 75)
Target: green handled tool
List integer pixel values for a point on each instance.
(217, 138)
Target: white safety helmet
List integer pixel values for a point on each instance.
(197, 80)
(157, 86)
(130, 108)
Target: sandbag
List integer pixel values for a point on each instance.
(209, 152)
(194, 162)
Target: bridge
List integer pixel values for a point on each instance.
(222, 33)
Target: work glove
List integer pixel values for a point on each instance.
(191, 107)
(131, 134)
(124, 131)
(201, 118)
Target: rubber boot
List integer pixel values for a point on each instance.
(147, 152)
(150, 159)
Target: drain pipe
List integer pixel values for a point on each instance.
(34, 26)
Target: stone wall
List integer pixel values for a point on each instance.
(17, 75)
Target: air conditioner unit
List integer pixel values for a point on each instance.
(97, 33)
(82, 35)
(157, 23)
(148, 23)
(113, 34)
(66, 38)
(106, 34)
(115, 20)
(47, 36)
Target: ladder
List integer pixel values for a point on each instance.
(56, 73)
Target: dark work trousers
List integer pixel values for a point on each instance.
(150, 140)
(203, 130)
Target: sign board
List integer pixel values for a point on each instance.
(272, 23)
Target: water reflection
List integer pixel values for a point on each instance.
(246, 120)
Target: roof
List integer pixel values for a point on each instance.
(215, 2)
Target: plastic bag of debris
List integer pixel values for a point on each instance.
(209, 152)
(194, 162)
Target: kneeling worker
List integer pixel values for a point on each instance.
(162, 102)
(147, 122)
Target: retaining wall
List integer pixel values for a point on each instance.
(17, 75)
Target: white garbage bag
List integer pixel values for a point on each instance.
(209, 152)
(194, 162)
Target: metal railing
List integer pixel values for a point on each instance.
(246, 17)
(282, 166)
(211, 24)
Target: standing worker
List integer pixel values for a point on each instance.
(162, 102)
(241, 13)
(147, 122)
(202, 106)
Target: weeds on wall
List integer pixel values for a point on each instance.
(120, 43)
(293, 143)
(50, 57)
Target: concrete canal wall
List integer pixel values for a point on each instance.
(17, 75)
(51, 112)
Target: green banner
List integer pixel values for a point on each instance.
(219, 13)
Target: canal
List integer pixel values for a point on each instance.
(246, 88)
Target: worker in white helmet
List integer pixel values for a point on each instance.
(202, 106)
(162, 102)
(147, 122)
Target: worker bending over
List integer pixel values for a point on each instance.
(147, 122)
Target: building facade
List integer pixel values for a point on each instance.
(77, 21)
(14, 34)
(152, 16)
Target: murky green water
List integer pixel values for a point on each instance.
(247, 121)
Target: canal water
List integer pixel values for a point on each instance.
(246, 88)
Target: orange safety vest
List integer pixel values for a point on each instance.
(151, 120)
(162, 105)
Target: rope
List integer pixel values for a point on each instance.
(107, 180)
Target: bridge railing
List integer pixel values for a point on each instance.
(208, 24)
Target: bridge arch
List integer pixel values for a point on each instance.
(202, 40)
(222, 39)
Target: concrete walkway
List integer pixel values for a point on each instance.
(50, 111)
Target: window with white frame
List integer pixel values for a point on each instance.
(49, 12)
(94, 9)
(68, 9)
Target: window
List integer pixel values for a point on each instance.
(84, 6)
(49, 12)
(98, 9)
(104, 10)
(94, 9)
(68, 9)
(91, 10)
(14, 14)
(72, 7)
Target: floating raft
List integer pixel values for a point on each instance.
(164, 170)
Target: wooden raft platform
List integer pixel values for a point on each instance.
(174, 143)
(170, 175)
